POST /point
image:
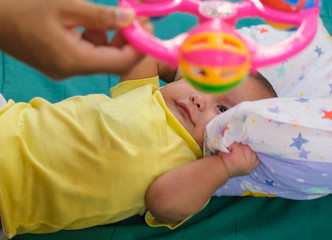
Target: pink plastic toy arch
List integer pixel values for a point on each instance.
(167, 50)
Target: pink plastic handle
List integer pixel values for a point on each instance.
(264, 56)
(167, 50)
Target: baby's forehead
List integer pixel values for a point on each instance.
(225, 98)
(248, 89)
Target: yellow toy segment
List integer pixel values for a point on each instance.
(214, 75)
(216, 41)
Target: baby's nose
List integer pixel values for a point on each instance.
(198, 101)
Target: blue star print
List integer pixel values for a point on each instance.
(274, 110)
(304, 153)
(302, 100)
(297, 142)
(301, 77)
(221, 130)
(330, 85)
(319, 51)
(281, 71)
(279, 123)
(269, 182)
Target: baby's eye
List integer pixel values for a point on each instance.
(222, 108)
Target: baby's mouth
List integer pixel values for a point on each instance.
(185, 110)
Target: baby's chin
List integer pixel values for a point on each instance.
(190, 130)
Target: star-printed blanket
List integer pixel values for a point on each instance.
(293, 140)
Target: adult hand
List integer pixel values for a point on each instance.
(44, 34)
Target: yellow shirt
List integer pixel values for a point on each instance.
(87, 160)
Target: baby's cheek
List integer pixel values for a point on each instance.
(199, 136)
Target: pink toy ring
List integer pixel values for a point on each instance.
(220, 17)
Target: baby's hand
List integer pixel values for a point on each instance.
(240, 160)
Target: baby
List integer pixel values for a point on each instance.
(89, 160)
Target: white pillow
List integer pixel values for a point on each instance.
(292, 138)
(307, 74)
(2, 101)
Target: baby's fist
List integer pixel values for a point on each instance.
(240, 160)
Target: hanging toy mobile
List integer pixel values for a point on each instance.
(213, 56)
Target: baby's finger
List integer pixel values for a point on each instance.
(257, 162)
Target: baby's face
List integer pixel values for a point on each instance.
(195, 109)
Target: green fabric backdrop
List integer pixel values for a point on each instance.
(225, 217)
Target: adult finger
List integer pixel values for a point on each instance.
(97, 37)
(118, 40)
(102, 59)
(93, 16)
(114, 60)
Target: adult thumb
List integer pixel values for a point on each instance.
(99, 17)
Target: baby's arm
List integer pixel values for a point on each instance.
(145, 68)
(184, 191)
(149, 67)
